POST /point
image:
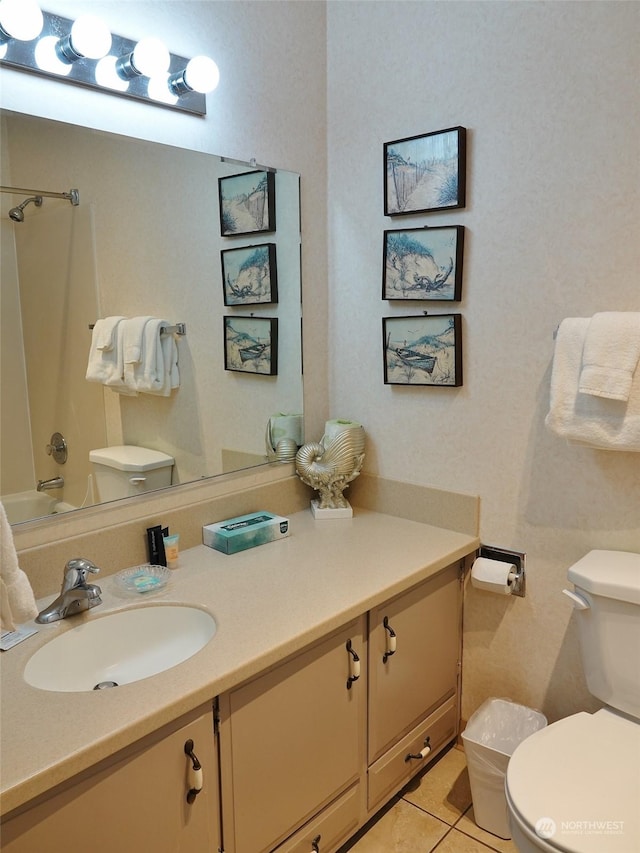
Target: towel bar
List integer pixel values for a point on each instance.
(177, 329)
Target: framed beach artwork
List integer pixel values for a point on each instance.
(425, 173)
(423, 263)
(423, 350)
(251, 345)
(249, 275)
(247, 203)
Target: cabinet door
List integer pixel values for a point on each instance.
(422, 672)
(138, 802)
(291, 741)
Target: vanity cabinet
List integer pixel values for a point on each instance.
(414, 669)
(292, 748)
(135, 801)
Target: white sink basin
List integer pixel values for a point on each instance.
(119, 648)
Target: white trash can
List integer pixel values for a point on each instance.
(490, 738)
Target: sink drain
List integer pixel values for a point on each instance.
(105, 685)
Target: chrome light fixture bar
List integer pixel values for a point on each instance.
(85, 53)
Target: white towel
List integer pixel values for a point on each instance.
(103, 354)
(133, 350)
(595, 421)
(156, 368)
(152, 378)
(163, 376)
(17, 602)
(611, 354)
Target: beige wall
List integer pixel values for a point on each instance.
(548, 93)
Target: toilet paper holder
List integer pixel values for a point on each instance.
(518, 558)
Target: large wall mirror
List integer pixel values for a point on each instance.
(144, 240)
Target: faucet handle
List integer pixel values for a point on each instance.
(75, 572)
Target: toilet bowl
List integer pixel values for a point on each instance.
(574, 786)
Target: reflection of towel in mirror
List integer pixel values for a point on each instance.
(105, 356)
(583, 418)
(156, 370)
(611, 354)
(17, 603)
(133, 352)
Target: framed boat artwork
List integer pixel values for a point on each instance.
(423, 350)
(249, 275)
(423, 263)
(251, 345)
(425, 173)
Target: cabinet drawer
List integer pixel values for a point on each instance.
(392, 770)
(331, 828)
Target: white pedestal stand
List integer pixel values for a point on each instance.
(337, 512)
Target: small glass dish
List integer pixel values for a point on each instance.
(145, 578)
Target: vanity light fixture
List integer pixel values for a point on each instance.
(86, 53)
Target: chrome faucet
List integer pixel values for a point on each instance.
(53, 483)
(76, 594)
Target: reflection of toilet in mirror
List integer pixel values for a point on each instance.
(124, 470)
(575, 785)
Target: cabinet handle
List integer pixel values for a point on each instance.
(354, 666)
(195, 780)
(391, 640)
(420, 756)
(315, 844)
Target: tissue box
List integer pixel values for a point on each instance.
(245, 531)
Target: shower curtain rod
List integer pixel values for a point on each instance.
(72, 195)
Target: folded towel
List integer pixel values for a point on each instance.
(104, 333)
(17, 602)
(169, 378)
(595, 421)
(103, 354)
(611, 354)
(133, 353)
(152, 374)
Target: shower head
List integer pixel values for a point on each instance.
(17, 213)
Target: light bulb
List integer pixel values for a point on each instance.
(47, 58)
(201, 74)
(20, 19)
(150, 57)
(106, 75)
(89, 37)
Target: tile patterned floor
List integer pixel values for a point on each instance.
(433, 813)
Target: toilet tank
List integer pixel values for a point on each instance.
(609, 626)
(126, 470)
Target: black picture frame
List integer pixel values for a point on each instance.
(426, 172)
(247, 203)
(251, 345)
(423, 350)
(423, 264)
(249, 275)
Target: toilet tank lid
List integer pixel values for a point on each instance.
(612, 574)
(128, 457)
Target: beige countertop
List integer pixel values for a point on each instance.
(268, 602)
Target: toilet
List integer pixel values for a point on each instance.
(125, 470)
(574, 786)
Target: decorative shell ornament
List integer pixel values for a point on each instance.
(331, 464)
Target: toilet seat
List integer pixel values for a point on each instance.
(575, 785)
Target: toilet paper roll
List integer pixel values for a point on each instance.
(493, 575)
(286, 426)
(335, 427)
